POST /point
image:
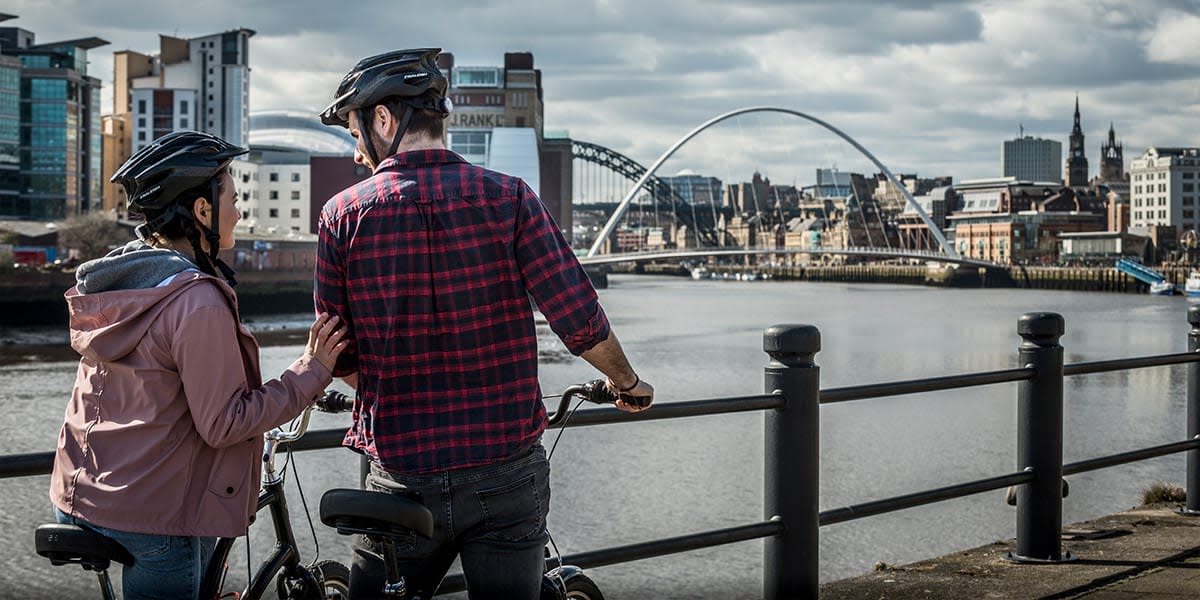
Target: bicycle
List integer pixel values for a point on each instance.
(389, 517)
(323, 580)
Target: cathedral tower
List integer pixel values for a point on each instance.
(1075, 172)
(1112, 161)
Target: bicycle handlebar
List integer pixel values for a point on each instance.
(335, 402)
(593, 391)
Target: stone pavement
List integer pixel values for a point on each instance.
(1150, 552)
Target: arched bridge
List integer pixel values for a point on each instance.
(702, 224)
(646, 179)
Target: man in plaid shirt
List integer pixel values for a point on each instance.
(432, 263)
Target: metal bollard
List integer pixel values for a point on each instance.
(792, 462)
(1193, 414)
(1040, 439)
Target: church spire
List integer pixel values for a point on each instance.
(1077, 128)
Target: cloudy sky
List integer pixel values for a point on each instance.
(929, 87)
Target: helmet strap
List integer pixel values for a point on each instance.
(367, 117)
(408, 113)
(212, 233)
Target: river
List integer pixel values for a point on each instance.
(619, 484)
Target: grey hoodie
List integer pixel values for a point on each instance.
(134, 266)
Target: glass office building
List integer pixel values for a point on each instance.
(57, 122)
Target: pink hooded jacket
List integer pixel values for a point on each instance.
(163, 432)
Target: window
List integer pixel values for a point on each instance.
(295, 194)
(274, 195)
(141, 106)
(472, 145)
(477, 77)
(141, 121)
(295, 213)
(295, 177)
(274, 177)
(183, 123)
(274, 213)
(141, 136)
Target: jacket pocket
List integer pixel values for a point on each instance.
(230, 470)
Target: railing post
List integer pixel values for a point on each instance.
(792, 462)
(1193, 413)
(1040, 438)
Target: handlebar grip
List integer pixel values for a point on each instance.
(335, 402)
(596, 391)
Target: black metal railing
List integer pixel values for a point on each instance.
(792, 400)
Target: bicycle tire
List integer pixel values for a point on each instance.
(334, 578)
(581, 587)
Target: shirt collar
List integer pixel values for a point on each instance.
(419, 158)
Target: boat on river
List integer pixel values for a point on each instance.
(1191, 287)
(1164, 288)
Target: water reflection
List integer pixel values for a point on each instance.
(703, 339)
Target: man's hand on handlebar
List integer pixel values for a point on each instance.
(636, 399)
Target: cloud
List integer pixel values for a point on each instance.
(931, 87)
(1175, 39)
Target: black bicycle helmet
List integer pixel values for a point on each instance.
(156, 176)
(409, 74)
(170, 165)
(411, 77)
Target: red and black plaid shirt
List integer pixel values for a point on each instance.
(432, 262)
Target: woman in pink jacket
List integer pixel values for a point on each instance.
(160, 445)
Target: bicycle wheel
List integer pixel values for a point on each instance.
(581, 587)
(334, 578)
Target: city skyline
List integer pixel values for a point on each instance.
(929, 87)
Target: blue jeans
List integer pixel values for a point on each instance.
(493, 517)
(165, 567)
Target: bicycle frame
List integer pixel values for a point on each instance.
(285, 558)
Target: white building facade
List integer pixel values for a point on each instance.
(1163, 188)
(208, 81)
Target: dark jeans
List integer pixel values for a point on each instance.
(493, 517)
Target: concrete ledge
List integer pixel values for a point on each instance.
(1147, 552)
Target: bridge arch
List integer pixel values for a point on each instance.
(657, 188)
(624, 205)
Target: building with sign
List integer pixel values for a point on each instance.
(497, 121)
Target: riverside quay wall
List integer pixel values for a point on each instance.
(1095, 279)
(35, 297)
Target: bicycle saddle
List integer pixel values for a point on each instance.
(66, 544)
(374, 513)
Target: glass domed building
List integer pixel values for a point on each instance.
(295, 164)
(293, 130)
